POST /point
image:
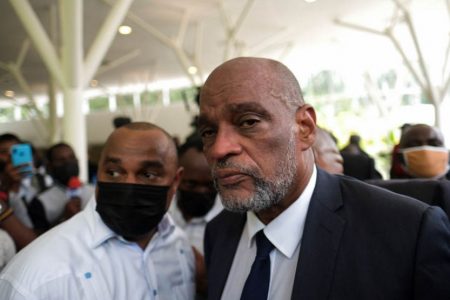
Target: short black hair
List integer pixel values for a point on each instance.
(194, 142)
(355, 139)
(49, 152)
(121, 120)
(9, 137)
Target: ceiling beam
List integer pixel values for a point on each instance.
(40, 38)
(118, 61)
(176, 44)
(231, 30)
(104, 38)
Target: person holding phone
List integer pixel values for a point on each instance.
(22, 158)
(18, 189)
(11, 174)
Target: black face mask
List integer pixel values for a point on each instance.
(195, 204)
(63, 173)
(131, 210)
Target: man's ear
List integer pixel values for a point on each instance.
(174, 186)
(305, 118)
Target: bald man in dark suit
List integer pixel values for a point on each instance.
(323, 236)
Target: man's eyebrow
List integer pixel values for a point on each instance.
(248, 107)
(234, 109)
(156, 164)
(114, 160)
(203, 121)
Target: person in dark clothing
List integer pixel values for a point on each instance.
(290, 230)
(357, 163)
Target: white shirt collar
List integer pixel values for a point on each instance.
(291, 221)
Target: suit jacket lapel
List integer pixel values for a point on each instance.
(320, 242)
(225, 249)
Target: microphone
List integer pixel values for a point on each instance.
(74, 187)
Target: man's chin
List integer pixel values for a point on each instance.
(235, 195)
(235, 207)
(235, 201)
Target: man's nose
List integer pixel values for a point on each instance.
(226, 143)
(131, 179)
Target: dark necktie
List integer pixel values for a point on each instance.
(257, 284)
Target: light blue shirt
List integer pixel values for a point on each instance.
(285, 233)
(83, 259)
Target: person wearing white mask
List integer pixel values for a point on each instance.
(424, 154)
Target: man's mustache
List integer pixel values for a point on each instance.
(227, 164)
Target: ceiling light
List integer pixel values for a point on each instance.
(9, 93)
(310, 1)
(94, 83)
(124, 29)
(192, 70)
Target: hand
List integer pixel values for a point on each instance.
(200, 272)
(72, 208)
(5, 209)
(12, 177)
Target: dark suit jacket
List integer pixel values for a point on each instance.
(360, 166)
(430, 191)
(359, 242)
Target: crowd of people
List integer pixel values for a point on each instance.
(421, 153)
(259, 203)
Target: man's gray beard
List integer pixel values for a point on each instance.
(268, 192)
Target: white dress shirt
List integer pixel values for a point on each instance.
(7, 248)
(83, 259)
(285, 233)
(195, 228)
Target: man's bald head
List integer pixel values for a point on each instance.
(269, 73)
(421, 135)
(165, 144)
(253, 121)
(326, 152)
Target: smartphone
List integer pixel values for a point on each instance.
(22, 154)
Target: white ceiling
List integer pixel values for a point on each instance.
(316, 41)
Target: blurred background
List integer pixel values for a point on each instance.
(68, 68)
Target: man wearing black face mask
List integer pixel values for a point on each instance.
(66, 197)
(195, 203)
(123, 245)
